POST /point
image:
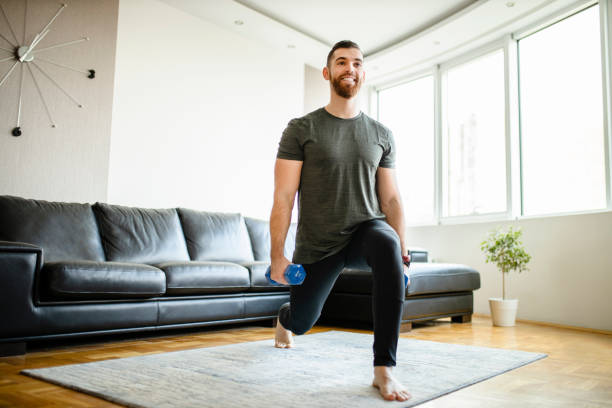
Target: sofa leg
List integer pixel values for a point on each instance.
(462, 319)
(405, 327)
(12, 349)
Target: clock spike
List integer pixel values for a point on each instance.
(9, 24)
(25, 21)
(42, 98)
(60, 45)
(57, 85)
(63, 66)
(8, 73)
(20, 95)
(7, 40)
(62, 7)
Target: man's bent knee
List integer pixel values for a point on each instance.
(288, 322)
(300, 330)
(388, 245)
(300, 327)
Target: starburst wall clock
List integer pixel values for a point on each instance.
(28, 58)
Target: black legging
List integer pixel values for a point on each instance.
(376, 244)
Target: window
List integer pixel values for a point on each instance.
(473, 137)
(561, 105)
(408, 110)
(455, 166)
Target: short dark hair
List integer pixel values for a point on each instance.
(341, 44)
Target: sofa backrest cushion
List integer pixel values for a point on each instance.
(215, 236)
(65, 231)
(140, 235)
(259, 232)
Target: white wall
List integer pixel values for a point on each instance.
(316, 88)
(68, 162)
(570, 276)
(198, 112)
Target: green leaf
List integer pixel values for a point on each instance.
(505, 249)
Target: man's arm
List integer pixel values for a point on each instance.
(287, 175)
(391, 203)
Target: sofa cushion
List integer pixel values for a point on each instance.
(259, 232)
(424, 278)
(259, 283)
(203, 277)
(101, 280)
(215, 236)
(65, 231)
(140, 235)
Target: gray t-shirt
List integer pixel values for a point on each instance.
(337, 188)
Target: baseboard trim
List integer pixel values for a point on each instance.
(560, 326)
(12, 349)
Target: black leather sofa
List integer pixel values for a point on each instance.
(70, 269)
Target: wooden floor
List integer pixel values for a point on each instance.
(576, 373)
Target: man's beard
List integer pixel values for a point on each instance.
(346, 90)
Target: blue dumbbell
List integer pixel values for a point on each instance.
(294, 274)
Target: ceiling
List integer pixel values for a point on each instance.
(396, 36)
(374, 25)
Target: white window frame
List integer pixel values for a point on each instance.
(508, 44)
(605, 19)
(605, 22)
(433, 72)
(498, 45)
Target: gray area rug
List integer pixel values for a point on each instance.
(331, 369)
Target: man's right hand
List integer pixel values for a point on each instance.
(277, 270)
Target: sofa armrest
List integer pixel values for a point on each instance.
(418, 254)
(10, 246)
(19, 266)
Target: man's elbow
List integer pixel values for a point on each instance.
(283, 199)
(391, 204)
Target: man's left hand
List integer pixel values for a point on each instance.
(407, 274)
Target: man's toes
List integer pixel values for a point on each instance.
(403, 396)
(280, 344)
(389, 396)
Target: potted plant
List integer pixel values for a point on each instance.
(505, 249)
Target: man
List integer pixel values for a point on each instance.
(350, 212)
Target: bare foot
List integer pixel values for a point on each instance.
(283, 338)
(389, 387)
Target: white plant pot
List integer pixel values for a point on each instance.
(503, 312)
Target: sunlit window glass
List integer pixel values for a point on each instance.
(473, 129)
(408, 110)
(562, 142)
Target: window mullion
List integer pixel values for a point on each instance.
(513, 162)
(438, 145)
(605, 18)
